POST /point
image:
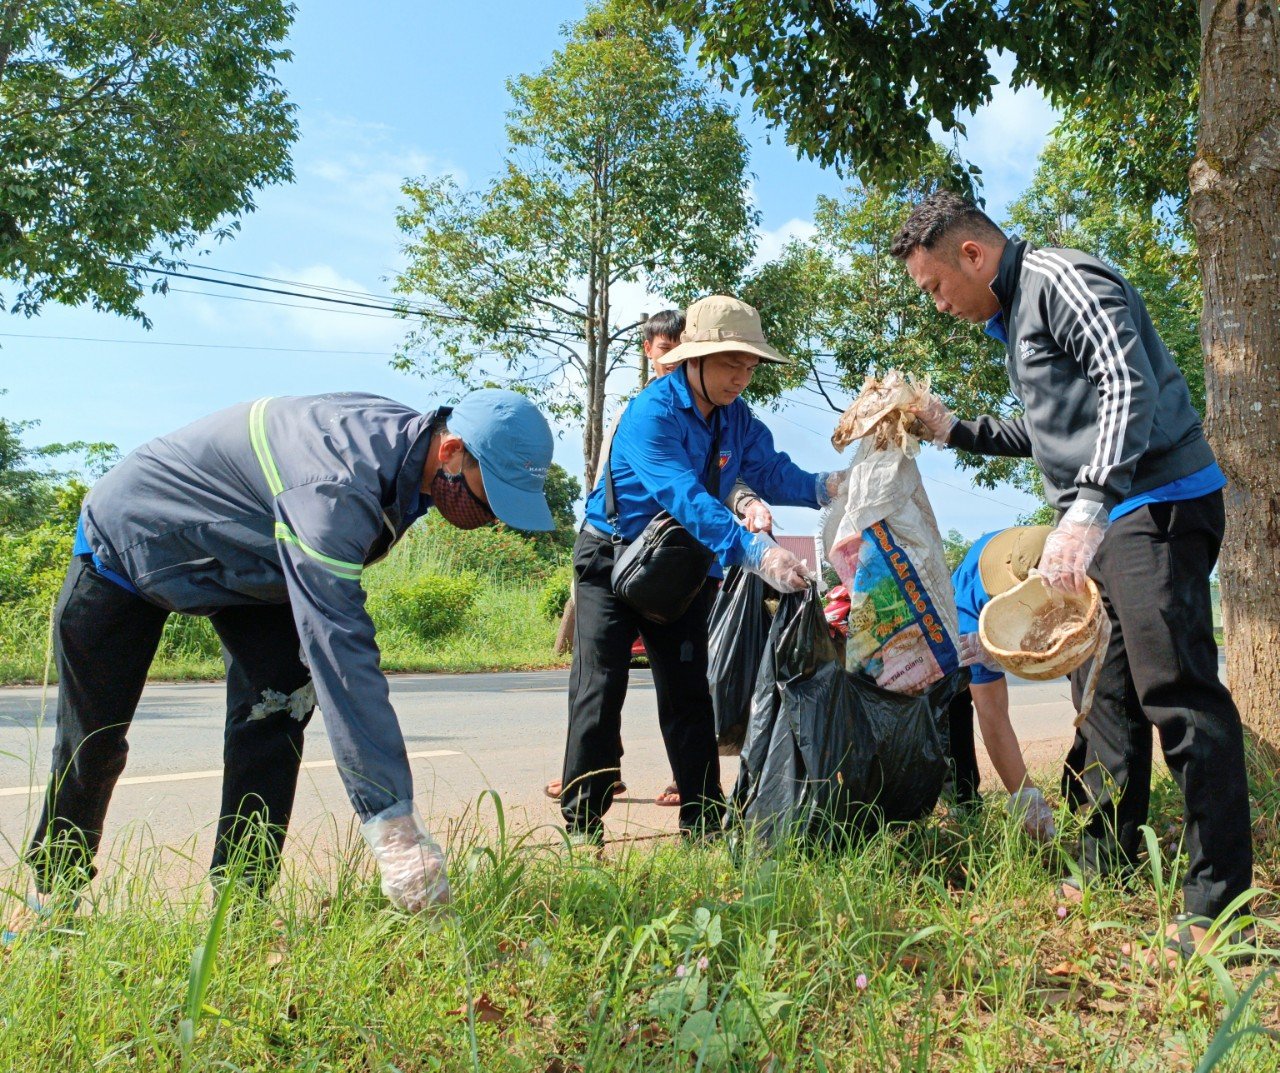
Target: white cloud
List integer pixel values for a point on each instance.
(769, 244)
(1005, 137)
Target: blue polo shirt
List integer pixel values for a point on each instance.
(971, 598)
(659, 458)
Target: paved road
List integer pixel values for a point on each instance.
(465, 733)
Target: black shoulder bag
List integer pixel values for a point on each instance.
(660, 572)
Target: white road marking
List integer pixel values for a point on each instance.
(185, 776)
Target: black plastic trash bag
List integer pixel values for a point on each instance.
(830, 755)
(737, 629)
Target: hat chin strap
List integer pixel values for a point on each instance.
(702, 382)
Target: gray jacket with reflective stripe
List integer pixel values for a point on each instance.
(281, 501)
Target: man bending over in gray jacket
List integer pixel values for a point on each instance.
(262, 517)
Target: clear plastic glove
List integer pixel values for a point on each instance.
(973, 653)
(829, 485)
(1070, 548)
(412, 864)
(766, 558)
(936, 417)
(756, 516)
(1037, 816)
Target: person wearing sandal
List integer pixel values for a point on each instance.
(675, 443)
(660, 334)
(1109, 422)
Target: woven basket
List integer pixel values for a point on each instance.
(1005, 621)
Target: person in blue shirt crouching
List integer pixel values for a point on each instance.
(659, 458)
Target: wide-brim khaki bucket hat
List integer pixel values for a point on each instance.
(1010, 555)
(1037, 632)
(721, 324)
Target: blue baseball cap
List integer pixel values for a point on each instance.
(512, 441)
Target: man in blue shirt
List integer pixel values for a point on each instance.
(1108, 419)
(661, 454)
(995, 563)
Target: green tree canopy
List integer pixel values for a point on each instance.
(1071, 203)
(843, 308)
(131, 130)
(33, 492)
(857, 83)
(620, 170)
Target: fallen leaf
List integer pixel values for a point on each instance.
(1107, 1005)
(1066, 970)
(277, 952)
(913, 963)
(484, 1009)
(647, 1033)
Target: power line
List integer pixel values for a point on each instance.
(172, 273)
(282, 305)
(298, 283)
(196, 346)
(399, 310)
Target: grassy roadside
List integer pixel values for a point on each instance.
(505, 629)
(935, 947)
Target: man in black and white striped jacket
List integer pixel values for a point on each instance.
(1108, 419)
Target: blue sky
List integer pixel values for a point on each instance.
(386, 91)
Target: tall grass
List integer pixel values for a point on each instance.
(932, 947)
(504, 629)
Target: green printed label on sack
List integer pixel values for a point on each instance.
(895, 633)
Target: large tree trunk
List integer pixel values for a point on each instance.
(1235, 206)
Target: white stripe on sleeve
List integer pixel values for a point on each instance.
(1113, 415)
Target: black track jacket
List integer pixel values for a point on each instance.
(1106, 410)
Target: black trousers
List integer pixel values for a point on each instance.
(964, 753)
(1161, 671)
(602, 639)
(105, 639)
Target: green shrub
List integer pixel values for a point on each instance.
(426, 606)
(33, 564)
(189, 639)
(555, 593)
(496, 553)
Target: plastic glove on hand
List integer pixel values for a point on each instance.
(1070, 548)
(783, 570)
(767, 559)
(412, 865)
(757, 516)
(972, 652)
(830, 485)
(1037, 816)
(936, 417)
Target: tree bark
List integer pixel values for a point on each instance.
(564, 635)
(597, 338)
(1235, 207)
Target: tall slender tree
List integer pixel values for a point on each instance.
(621, 170)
